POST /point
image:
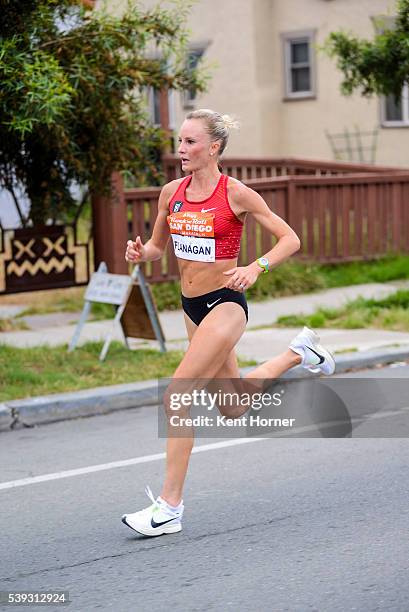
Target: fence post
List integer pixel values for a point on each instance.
(290, 205)
(110, 227)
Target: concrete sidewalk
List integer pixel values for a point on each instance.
(353, 349)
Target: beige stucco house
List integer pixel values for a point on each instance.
(270, 73)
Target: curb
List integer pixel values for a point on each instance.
(103, 400)
(6, 417)
(88, 402)
(352, 361)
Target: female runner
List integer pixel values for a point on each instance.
(204, 214)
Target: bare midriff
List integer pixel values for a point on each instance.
(198, 278)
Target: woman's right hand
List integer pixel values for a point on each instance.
(135, 251)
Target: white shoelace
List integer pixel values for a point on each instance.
(149, 493)
(165, 507)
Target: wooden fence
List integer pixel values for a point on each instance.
(338, 218)
(353, 217)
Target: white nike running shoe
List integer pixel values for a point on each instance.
(315, 357)
(157, 519)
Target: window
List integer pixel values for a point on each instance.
(154, 105)
(395, 113)
(193, 58)
(299, 64)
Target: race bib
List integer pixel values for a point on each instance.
(193, 235)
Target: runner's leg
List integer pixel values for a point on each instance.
(204, 358)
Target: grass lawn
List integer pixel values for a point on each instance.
(45, 370)
(390, 313)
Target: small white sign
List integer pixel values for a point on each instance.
(108, 288)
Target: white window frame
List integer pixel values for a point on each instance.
(187, 99)
(289, 38)
(404, 122)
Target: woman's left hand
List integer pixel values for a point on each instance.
(241, 278)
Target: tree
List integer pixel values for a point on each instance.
(380, 66)
(72, 95)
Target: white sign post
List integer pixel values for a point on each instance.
(115, 289)
(108, 288)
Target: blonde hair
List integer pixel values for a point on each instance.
(217, 126)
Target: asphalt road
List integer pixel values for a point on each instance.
(278, 524)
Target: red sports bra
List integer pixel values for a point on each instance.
(205, 230)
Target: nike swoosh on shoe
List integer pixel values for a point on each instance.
(155, 524)
(321, 358)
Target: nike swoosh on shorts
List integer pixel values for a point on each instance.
(213, 303)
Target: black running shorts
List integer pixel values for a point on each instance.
(198, 307)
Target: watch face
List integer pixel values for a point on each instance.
(263, 261)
